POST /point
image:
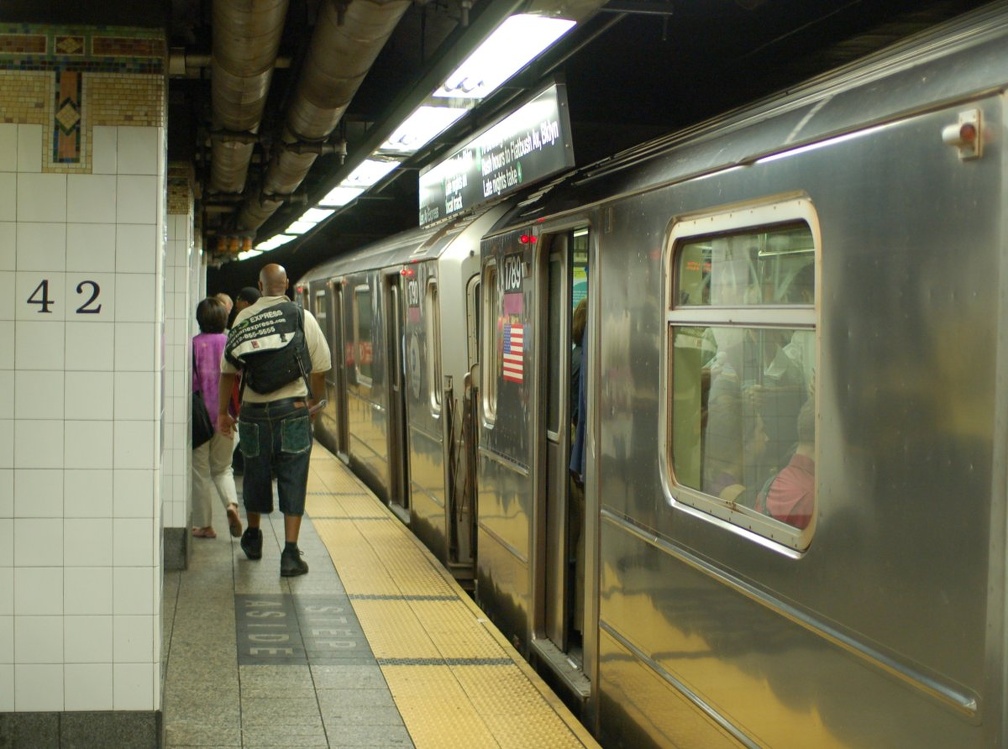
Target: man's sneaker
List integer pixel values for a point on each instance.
(251, 543)
(291, 563)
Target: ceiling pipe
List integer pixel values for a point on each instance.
(344, 45)
(246, 39)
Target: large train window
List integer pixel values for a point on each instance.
(741, 353)
(433, 324)
(489, 360)
(362, 319)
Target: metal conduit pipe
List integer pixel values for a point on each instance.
(246, 39)
(344, 45)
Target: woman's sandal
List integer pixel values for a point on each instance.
(207, 532)
(234, 522)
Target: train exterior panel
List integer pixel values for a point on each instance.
(774, 511)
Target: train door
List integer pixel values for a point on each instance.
(560, 505)
(398, 449)
(336, 378)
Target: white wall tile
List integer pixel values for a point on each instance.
(91, 199)
(132, 545)
(30, 145)
(133, 639)
(38, 395)
(10, 307)
(89, 493)
(134, 394)
(91, 248)
(88, 686)
(138, 150)
(6, 393)
(41, 248)
(87, 639)
(88, 591)
(132, 590)
(38, 687)
(135, 297)
(6, 542)
(38, 639)
(6, 590)
(89, 395)
(38, 542)
(136, 248)
(38, 591)
(137, 202)
(8, 245)
(6, 688)
(91, 296)
(87, 542)
(134, 346)
(41, 197)
(133, 686)
(6, 639)
(88, 444)
(38, 493)
(104, 149)
(7, 344)
(38, 444)
(133, 493)
(6, 493)
(88, 346)
(8, 197)
(40, 345)
(6, 443)
(8, 147)
(135, 443)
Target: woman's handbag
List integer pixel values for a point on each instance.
(202, 425)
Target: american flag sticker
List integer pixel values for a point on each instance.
(514, 352)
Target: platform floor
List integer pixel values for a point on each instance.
(376, 646)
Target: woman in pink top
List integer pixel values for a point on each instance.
(211, 461)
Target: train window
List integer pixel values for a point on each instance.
(433, 319)
(362, 319)
(320, 305)
(490, 359)
(741, 358)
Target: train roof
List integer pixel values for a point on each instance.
(951, 62)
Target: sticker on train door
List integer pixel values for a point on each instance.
(513, 355)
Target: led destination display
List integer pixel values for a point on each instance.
(531, 143)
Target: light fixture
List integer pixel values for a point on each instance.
(248, 254)
(368, 173)
(340, 196)
(420, 128)
(277, 240)
(517, 41)
(317, 215)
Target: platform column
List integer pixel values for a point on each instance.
(82, 384)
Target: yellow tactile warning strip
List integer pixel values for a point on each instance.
(455, 679)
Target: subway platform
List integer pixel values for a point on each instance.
(376, 646)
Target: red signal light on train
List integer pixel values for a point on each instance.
(407, 273)
(528, 239)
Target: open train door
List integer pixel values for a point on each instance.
(398, 448)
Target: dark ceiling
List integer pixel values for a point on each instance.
(636, 69)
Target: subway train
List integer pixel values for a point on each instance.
(779, 518)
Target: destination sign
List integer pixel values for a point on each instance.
(528, 145)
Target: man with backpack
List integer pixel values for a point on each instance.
(282, 354)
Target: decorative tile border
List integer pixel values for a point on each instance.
(73, 78)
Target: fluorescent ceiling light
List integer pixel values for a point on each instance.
(507, 50)
(248, 254)
(340, 195)
(368, 173)
(277, 240)
(300, 227)
(420, 128)
(317, 215)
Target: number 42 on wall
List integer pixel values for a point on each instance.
(88, 290)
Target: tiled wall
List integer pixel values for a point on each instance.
(82, 371)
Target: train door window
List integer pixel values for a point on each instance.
(741, 356)
(362, 318)
(490, 360)
(473, 316)
(319, 310)
(433, 324)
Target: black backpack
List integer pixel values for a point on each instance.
(270, 349)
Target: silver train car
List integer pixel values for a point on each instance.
(780, 516)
